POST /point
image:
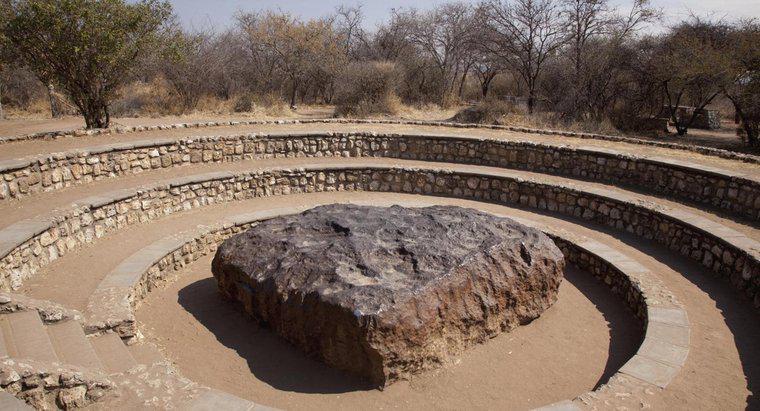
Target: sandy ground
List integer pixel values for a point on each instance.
(586, 335)
(32, 148)
(724, 138)
(722, 372)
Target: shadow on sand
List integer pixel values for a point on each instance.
(279, 364)
(626, 332)
(270, 358)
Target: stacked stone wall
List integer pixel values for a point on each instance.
(732, 258)
(715, 188)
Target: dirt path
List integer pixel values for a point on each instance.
(16, 127)
(27, 148)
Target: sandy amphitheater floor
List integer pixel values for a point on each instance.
(522, 369)
(207, 347)
(573, 348)
(717, 376)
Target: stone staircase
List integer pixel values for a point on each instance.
(52, 363)
(29, 348)
(25, 336)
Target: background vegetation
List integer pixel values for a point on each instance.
(566, 63)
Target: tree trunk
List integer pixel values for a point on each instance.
(752, 134)
(2, 113)
(681, 129)
(293, 95)
(96, 115)
(750, 128)
(485, 83)
(461, 85)
(54, 110)
(531, 101)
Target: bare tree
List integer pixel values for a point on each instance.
(525, 34)
(348, 24)
(442, 35)
(691, 68)
(392, 43)
(486, 65)
(299, 50)
(596, 33)
(191, 66)
(743, 89)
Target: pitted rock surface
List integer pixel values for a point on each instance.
(386, 293)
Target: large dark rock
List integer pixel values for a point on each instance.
(389, 292)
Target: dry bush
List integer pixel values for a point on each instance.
(20, 88)
(158, 98)
(271, 104)
(550, 120)
(146, 99)
(368, 89)
(38, 108)
(243, 104)
(487, 112)
(426, 111)
(268, 104)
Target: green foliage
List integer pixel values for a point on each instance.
(86, 47)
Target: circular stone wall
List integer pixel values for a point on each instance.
(385, 293)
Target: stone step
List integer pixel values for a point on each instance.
(113, 354)
(72, 346)
(3, 345)
(146, 353)
(10, 403)
(26, 336)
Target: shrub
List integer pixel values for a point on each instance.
(486, 112)
(244, 104)
(368, 88)
(145, 99)
(19, 88)
(88, 48)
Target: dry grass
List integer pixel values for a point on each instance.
(156, 100)
(428, 112)
(551, 121)
(487, 112)
(38, 109)
(144, 100)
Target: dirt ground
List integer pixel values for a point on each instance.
(724, 138)
(22, 126)
(586, 335)
(722, 371)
